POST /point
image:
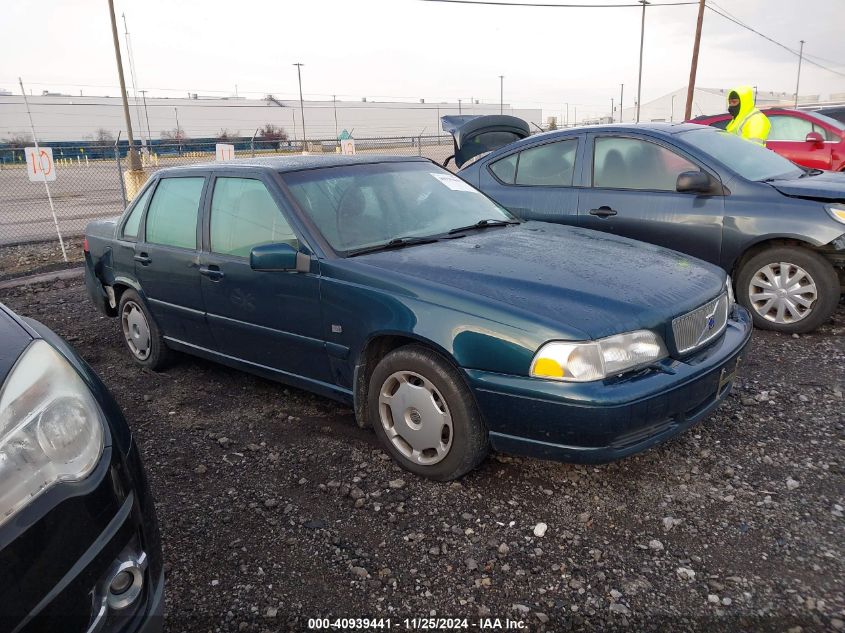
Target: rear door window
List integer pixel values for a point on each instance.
(244, 215)
(505, 169)
(133, 222)
(172, 216)
(628, 163)
(550, 165)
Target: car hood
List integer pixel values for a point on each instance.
(574, 278)
(828, 185)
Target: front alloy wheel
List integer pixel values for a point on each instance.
(789, 289)
(782, 292)
(415, 417)
(425, 415)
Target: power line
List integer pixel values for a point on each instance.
(738, 22)
(560, 6)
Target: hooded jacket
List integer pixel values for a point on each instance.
(748, 121)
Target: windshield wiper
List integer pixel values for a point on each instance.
(483, 224)
(396, 242)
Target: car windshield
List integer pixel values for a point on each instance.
(747, 159)
(364, 206)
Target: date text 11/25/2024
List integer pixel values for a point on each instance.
(415, 624)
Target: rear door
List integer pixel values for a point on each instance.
(167, 259)
(631, 192)
(536, 183)
(271, 319)
(788, 138)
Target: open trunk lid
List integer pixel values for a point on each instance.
(478, 134)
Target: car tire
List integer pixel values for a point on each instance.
(141, 333)
(806, 301)
(425, 415)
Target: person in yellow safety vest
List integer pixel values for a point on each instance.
(748, 122)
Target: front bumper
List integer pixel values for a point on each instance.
(57, 554)
(607, 420)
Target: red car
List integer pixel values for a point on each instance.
(807, 138)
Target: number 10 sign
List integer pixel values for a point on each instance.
(39, 164)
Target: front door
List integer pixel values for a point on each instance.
(788, 137)
(633, 194)
(167, 260)
(271, 319)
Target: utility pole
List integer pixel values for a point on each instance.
(178, 130)
(459, 107)
(147, 115)
(334, 104)
(133, 78)
(798, 81)
(642, 39)
(612, 110)
(501, 94)
(134, 159)
(694, 65)
(574, 115)
(301, 102)
(621, 93)
(567, 114)
(672, 115)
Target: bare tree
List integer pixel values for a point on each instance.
(272, 132)
(103, 138)
(16, 140)
(226, 135)
(176, 134)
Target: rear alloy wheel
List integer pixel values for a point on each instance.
(788, 289)
(425, 415)
(141, 333)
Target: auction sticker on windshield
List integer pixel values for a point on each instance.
(453, 182)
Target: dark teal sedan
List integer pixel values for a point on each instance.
(393, 286)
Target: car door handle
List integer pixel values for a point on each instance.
(142, 259)
(603, 212)
(212, 272)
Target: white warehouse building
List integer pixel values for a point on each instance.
(71, 118)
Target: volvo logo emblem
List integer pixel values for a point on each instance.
(709, 324)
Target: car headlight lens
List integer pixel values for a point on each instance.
(594, 360)
(836, 211)
(51, 428)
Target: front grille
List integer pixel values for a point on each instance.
(703, 324)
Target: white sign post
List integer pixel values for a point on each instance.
(43, 177)
(347, 146)
(224, 151)
(39, 164)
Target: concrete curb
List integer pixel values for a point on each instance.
(42, 277)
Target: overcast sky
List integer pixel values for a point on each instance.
(411, 49)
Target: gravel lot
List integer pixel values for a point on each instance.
(276, 508)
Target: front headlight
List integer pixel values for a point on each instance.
(51, 428)
(594, 360)
(836, 211)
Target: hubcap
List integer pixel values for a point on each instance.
(782, 292)
(415, 417)
(136, 330)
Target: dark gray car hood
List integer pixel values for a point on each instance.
(598, 283)
(828, 185)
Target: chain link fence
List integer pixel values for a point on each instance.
(89, 178)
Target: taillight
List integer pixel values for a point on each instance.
(85, 245)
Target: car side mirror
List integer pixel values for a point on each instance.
(693, 181)
(281, 256)
(815, 138)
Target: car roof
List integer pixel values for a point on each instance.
(295, 163)
(654, 127)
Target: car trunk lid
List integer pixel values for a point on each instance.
(474, 135)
